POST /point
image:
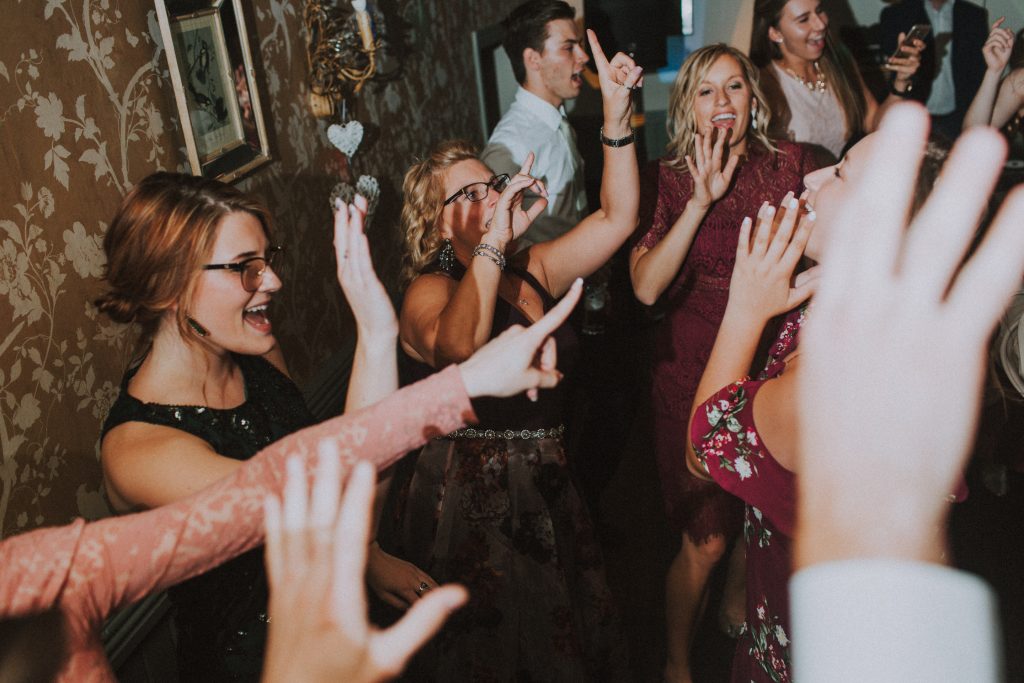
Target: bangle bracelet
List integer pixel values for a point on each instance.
(494, 250)
(621, 142)
(496, 261)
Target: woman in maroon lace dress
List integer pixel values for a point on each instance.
(743, 436)
(684, 258)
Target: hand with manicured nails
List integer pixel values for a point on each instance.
(762, 283)
(894, 349)
(520, 358)
(316, 548)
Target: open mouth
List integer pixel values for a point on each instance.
(256, 316)
(723, 120)
(817, 43)
(577, 79)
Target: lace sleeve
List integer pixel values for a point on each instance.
(89, 570)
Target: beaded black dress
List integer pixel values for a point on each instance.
(221, 615)
(495, 509)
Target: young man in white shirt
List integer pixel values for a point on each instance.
(544, 45)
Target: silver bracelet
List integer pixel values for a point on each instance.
(498, 253)
(498, 262)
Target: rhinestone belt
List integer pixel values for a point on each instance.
(471, 433)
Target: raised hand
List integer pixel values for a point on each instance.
(520, 358)
(509, 219)
(710, 179)
(369, 301)
(906, 65)
(618, 77)
(316, 556)
(894, 350)
(761, 285)
(998, 47)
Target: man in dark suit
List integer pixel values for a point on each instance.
(952, 65)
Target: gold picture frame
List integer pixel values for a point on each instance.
(215, 87)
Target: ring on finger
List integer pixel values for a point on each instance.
(422, 588)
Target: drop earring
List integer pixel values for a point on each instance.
(196, 327)
(447, 256)
(753, 117)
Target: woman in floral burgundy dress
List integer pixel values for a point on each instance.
(744, 435)
(684, 258)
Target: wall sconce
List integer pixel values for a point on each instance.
(341, 48)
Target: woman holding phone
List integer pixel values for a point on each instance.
(813, 86)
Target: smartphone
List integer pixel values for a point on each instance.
(916, 32)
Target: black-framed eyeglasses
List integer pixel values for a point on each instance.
(250, 270)
(475, 192)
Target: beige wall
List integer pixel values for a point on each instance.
(86, 111)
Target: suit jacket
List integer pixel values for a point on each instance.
(970, 30)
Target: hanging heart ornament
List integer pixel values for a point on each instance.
(367, 186)
(346, 137)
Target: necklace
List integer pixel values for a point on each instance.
(818, 85)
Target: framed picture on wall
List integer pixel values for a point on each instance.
(215, 86)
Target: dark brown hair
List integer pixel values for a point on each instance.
(159, 238)
(527, 27)
(836, 64)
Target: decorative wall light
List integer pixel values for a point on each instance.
(342, 46)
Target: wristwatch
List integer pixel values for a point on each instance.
(620, 142)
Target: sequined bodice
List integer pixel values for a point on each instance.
(222, 614)
(273, 408)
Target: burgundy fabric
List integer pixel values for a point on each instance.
(726, 441)
(694, 304)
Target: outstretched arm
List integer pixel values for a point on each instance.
(589, 245)
(88, 570)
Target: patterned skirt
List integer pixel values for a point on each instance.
(503, 518)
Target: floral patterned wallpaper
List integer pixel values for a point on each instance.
(86, 110)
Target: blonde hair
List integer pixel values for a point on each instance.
(682, 118)
(423, 191)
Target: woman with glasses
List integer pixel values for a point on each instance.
(191, 262)
(493, 507)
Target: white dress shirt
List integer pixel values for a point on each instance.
(888, 620)
(942, 99)
(533, 125)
